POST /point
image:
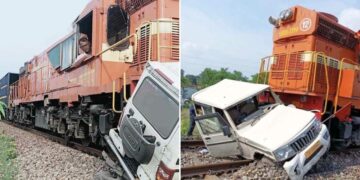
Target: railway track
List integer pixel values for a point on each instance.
(89, 150)
(218, 168)
(191, 143)
(188, 172)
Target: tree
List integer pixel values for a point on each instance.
(193, 79)
(2, 109)
(185, 82)
(210, 76)
(260, 78)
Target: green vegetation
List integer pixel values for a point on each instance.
(210, 77)
(7, 158)
(2, 109)
(263, 78)
(185, 123)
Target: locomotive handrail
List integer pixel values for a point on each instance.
(266, 74)
(260, 71)
(309, 70)
(338, 83)
(113, 94)
(113, 99)
(118, 43)
(316, 58)
(327, 79)
(315, 68)
(124, 84)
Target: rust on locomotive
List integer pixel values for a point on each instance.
(66, 88)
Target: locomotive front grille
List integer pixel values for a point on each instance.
(304, 140)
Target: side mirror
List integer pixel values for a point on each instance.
(226, 130)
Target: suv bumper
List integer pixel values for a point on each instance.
(119, 157)
(298, 166)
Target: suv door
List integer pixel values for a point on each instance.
(217, 136)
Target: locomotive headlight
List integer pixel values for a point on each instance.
(274, 21)
(284, 153)
(286, 14)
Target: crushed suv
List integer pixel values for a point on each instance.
(249, 120)
(146, 141)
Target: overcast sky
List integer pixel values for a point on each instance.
(29, 27)
(228, 33)
(236, 34)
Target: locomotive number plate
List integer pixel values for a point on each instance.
(312, 149)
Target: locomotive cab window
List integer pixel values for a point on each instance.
(67, 52)
(84, 40)
(54, 56)
(117, 26)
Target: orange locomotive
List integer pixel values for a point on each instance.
(75, 86)
(315, 66)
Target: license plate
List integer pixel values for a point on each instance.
(312, 149)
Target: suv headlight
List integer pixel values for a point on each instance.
(284, 153)
(317, 126)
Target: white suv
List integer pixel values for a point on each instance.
(146, 141)
(246, 119)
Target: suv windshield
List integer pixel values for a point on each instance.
(159, 109)
(239, 112)
(242, 110)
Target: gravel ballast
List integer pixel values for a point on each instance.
(40, 158)
(335, 165)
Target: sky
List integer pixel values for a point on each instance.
(233, 34)
(236, 34)
(29, 27)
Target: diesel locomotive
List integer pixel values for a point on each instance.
(315, 66)
(77, 87)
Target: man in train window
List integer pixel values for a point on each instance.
(84, 44)
(84, 49)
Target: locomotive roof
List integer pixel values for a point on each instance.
(226, 93)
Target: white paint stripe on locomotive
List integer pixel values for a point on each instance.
(165, 26)
(331, 62)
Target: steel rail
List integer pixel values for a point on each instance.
(199, 170)
(192, 143)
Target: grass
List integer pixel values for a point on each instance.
(185, 123)
(7, 158)
(2, 109)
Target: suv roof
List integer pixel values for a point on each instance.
(227, 92)
(170, 69)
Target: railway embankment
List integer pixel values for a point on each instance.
(343, 164)
(40, 158)
(7, 157)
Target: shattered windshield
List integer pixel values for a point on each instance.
(251, 106)
(239, 112)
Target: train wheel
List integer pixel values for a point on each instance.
(67, 137)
